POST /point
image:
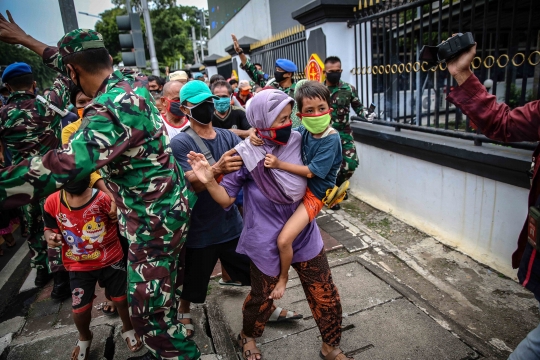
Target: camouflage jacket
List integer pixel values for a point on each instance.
(29, 127)
(342, 97)
(258, 78)
(122, 134)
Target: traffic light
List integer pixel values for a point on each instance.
(132, 40)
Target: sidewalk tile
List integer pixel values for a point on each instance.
(330, 243)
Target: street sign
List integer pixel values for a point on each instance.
(315, 69)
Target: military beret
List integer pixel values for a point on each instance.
(286, 65)
(16, 69)
(78, 40)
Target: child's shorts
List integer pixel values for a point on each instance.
(312, 204)
(83, 285)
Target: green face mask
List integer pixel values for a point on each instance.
(316, 123)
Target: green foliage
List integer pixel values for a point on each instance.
(171, 27)
(15, 53)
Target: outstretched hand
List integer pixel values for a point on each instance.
(237, 47)
(10, 32)
(200, 166)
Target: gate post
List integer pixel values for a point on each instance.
(327, 31)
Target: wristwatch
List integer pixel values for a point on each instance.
(240, 52)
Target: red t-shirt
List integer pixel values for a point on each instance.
(90, 239)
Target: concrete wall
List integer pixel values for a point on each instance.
(280, 13)
(479, 216)
(252, 20)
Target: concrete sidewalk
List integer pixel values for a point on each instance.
(394, 307)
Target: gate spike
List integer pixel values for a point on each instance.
(370, 2)
(359, 4)
(365, 4)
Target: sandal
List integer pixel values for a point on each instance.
(332, 355)
(188, 326)
(84, 349)
(132, 342)
(290, 315)
(228, 283)
(108, 311)
(252, 350)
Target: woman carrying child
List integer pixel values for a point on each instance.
(271, 197)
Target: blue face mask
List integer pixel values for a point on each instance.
(222, 104)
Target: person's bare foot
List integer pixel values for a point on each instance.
(279, 290)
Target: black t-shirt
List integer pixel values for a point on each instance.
(235, 120)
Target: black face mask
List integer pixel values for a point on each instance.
(333, 77)
(203, 112)
(175, 109)
(279, 135)
(77, 187)
(279, 76)
(78, 83)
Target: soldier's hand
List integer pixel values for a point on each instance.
(228, 163)
(237, 47)
(54, 240)
(254, 139)
(10, 32)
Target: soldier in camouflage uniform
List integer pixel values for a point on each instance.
(121, 134)
(343, 97)
(283, 75)
(28, 127)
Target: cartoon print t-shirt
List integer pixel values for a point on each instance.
(90, 239)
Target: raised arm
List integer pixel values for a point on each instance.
(246, 65)
(11, 33)
(495, 120)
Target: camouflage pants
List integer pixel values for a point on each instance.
(350, 159)
(153, 298)
(36, 239)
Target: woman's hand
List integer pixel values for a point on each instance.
(271, 162)
(254, 139)
(201, 168)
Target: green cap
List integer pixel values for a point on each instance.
(195, 92)
(78, 40)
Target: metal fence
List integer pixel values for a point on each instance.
(389, 35)
(289, 44)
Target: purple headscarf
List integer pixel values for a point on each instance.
(278, 186)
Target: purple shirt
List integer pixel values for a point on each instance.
(263, 221)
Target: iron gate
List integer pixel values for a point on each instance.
(289, 44)
(388, 38)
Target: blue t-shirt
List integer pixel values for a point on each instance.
(323, 158)
(210, 223)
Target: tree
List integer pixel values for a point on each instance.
(15, 53)
(171, 26)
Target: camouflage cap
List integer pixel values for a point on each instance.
(78, 40)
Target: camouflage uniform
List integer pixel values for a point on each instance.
(122, 134)
(342, 97)
(29, 128)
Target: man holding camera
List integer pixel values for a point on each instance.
(497, 121)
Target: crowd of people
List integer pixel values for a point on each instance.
(141, 184)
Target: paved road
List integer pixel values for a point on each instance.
(9, 252)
